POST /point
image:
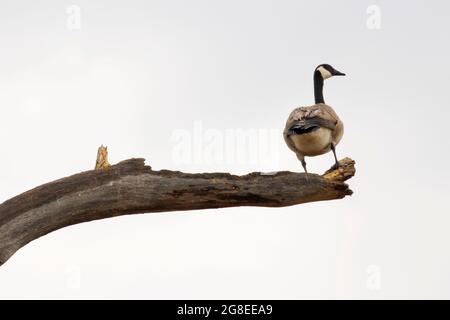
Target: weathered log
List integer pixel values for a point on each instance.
(131, 187)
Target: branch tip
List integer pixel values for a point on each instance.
(345, 171)
(102, 158)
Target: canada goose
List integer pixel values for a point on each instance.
(317, 129)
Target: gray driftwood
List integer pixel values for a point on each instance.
(132, 187)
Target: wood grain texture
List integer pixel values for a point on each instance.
(131, 187)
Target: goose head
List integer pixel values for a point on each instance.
(326, 71)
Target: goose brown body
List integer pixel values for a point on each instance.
(317, 141)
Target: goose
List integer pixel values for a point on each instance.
(314, 130)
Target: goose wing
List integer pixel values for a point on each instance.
(309, 124)
(307, 119)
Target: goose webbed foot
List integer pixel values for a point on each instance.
(335, 166)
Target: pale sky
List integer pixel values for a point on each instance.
(151, 78)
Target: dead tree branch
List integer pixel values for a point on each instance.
(132, 187)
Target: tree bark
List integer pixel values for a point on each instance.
(131, 187)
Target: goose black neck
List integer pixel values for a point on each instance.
(318, 87)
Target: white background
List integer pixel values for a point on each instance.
(135, 72)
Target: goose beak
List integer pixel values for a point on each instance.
(338, 73)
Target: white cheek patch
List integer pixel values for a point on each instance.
(324, 72)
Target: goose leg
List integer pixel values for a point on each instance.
(302, 160)
(304, 166)
(336, 162)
